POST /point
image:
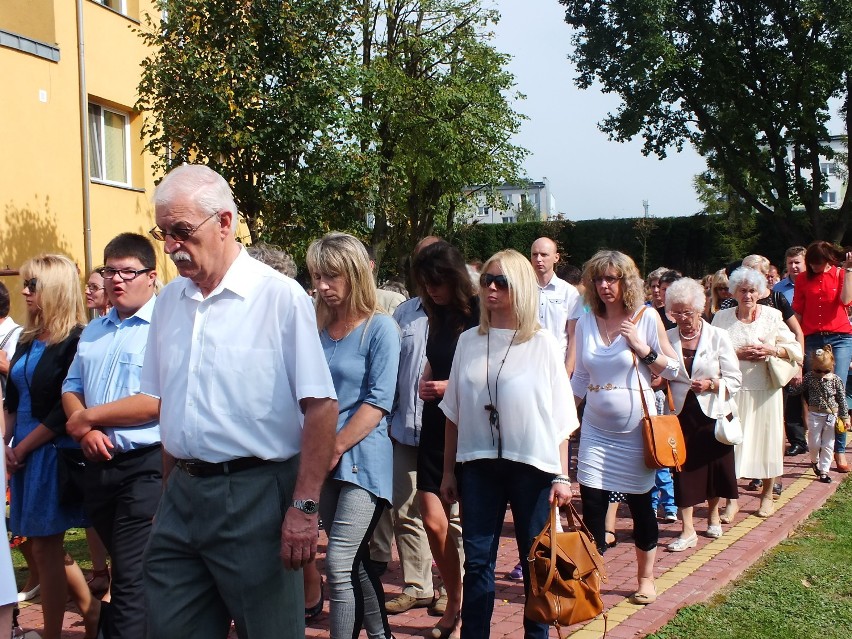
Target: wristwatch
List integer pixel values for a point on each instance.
(307, 506)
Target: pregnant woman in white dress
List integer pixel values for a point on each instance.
(611, 456)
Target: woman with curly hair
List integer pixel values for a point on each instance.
(617, 343)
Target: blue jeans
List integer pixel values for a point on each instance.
(486, 487)
(841, 348)
(663, 492)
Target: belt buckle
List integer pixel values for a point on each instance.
(189, 468)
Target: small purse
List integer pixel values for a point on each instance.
(781, 371)
(662, 434)
(565, 571)
(729, 429)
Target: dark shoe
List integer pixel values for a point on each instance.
(825, 479)
(404, 602)
(755, 484)
(439, 632)
(314, 611)
(516, 573)
(796, 449)
(614, 542)
(777, 488)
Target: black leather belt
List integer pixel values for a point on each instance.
(199, 468)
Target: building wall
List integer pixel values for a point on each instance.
(41, 172)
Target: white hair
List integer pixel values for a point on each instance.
(200, 184)
(686, 291)
(749, 277)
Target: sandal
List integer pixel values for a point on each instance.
(315, 610)
(642, 599)
(614, 542)
(440, 632)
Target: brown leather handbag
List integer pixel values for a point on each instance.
(566, 570)
(665, 446)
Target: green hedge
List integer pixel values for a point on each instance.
(694, 245)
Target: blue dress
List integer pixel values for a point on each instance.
(35, 510)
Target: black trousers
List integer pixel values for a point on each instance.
(793, 426)
(645, 529)
(121, 497)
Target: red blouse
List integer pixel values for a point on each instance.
(817, 301)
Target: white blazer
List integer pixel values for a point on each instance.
(715, 358)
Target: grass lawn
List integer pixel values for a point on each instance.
(801, 590)
(75, 543)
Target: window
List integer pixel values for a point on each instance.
(109, 134)
(508, 219)
(828, 168)
(829, 197)
(115, 5)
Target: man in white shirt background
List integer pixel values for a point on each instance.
(556, 298)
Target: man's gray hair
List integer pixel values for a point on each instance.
(200, 184)
(745, 276)
(273, 256)
(686, 291)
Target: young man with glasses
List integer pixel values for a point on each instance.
(118, 427)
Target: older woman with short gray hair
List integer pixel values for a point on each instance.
(758, 333)
(708, 362)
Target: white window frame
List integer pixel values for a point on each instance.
(829, 197)
(101, 158)
(122, 5)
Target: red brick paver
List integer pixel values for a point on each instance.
(683, 578)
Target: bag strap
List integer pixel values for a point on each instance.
(8, 337)
(721, 413)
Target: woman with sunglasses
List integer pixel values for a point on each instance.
(361, 344)
(508, 418)
(617, 344)
(452, 307)
(35, 425)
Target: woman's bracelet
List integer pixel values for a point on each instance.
(561, 479)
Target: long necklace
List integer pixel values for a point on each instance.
(493, 414)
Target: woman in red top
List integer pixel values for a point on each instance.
(820, 298)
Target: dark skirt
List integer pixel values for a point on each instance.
(709, 469)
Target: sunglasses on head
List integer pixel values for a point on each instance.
(31, 284)
(500, 281)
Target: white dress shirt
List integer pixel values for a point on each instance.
(230, 369)
(556, 302)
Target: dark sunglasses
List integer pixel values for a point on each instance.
(822, 371)
(500, 281)
(31, 284)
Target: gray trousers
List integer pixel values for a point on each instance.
(214, 555)
(356, 597)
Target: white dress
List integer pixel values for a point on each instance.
(611, 455)
(760, 406)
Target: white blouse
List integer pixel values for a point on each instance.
(531, 393)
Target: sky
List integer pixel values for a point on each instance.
(589, 175)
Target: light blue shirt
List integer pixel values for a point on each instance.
(785, 287)
(407, 418)
(364, 366)
(108, 366)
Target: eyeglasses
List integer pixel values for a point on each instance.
(94, 288)
(609, 279)
(180, 233)
(720, 288)
(500, 281)
(684, 314)
(822, 371)
(31, 284)
(126, 274)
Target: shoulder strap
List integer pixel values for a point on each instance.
(669, 397)
(8, 337)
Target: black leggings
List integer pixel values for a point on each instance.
(645, 530)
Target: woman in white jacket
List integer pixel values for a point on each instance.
(709, 360)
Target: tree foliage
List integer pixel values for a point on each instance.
(360, 115)
(747, 82)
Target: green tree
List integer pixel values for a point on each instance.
(433, 116)
(253, 89)
(747, 83)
